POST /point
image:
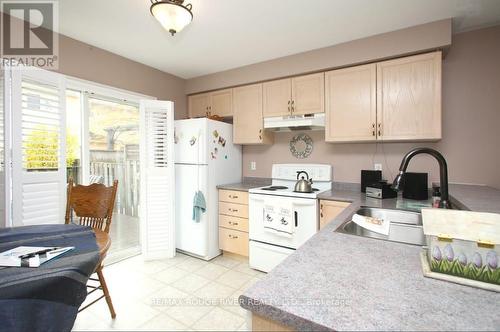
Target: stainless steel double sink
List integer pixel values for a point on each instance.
(405, 226)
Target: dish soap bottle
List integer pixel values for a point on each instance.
(436, 196)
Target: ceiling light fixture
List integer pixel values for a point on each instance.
(172, 14)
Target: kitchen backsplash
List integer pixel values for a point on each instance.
(347, 159)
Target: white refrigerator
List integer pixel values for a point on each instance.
(205, 157)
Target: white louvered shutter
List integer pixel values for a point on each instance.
(38, 147)
(3, 193)
(157, 197)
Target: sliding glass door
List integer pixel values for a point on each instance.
(102, 145)
(113, 154)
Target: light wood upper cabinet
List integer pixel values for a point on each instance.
(409, 98)
(211, 103)
(308, 94)
(248, 123)
(277, 97)
(222, 103)
(295, 96)
(329, 210)
(351, 106)
(198, 105)
(395, 100)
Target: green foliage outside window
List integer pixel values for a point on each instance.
(40, 149)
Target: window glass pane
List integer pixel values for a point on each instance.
(112, 125)
(114, 155)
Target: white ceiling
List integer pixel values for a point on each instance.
(227, 34)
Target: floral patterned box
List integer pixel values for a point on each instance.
(463, 244)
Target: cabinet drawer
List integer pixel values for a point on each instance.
(233, 196)
(240, 224)
(235, 210)
(233, 241)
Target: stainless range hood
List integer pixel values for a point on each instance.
(296, 122)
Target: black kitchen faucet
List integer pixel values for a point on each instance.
(443, 173)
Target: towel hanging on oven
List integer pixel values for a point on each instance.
(278, 220)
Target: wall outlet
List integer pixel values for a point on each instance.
(377, 167)
(253, 165)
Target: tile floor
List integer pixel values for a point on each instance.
(182, 293)
(124, 232)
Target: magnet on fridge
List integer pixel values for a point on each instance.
(222, 141)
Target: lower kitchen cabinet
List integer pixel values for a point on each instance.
(328, 210)
(233, 241)
(233, 221)
(236, 223)
(263, 324)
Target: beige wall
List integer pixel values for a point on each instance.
(471, 125)
(87, 62)
(94, 64)
(411, 40)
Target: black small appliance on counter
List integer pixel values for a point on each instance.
(415, 186)
(369, 177)
(381, 190)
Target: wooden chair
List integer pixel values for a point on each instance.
(93, 206)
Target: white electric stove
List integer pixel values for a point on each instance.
(269, 247)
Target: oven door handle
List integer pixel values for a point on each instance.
(296, 217)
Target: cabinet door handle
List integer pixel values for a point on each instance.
(289, 108)
(380, 129)
(233, 196)
(293, 107)
(373, 129)
(233, 236)
(233, 210)
(233, 223)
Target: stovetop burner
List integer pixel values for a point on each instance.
(274, 188)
